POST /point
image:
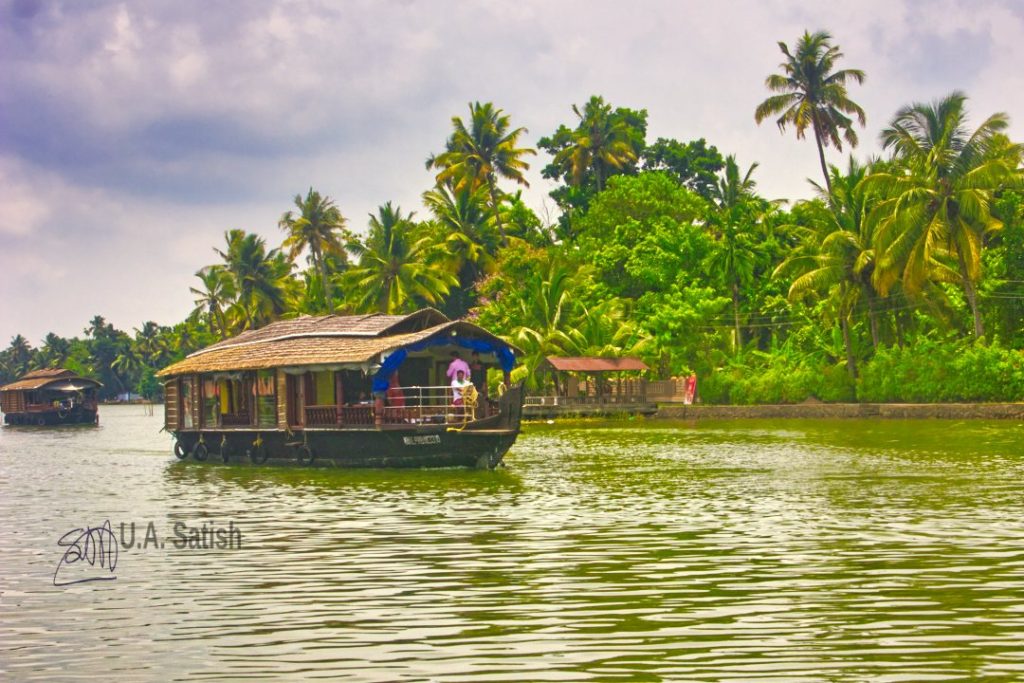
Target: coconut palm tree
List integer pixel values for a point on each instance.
(547, 308)
(602, 143)
(605, 330)
(19, 354)
(54, 353)
(319, 227)
(812, 95)
(260, 277)
(151, 344)
(463, 233)
(396, 270)
(480, 154)
(734, 256)
(732, 261)
(214, 298)
(938, 209)
(730, 190)
(126, 367)
(839, 260)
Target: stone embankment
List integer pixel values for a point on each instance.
(946, 411)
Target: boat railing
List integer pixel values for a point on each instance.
(403, 405)
(429, 405)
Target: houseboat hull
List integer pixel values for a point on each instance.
(48, 418)
(440, 447)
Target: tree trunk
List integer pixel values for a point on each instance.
(851, 364)
(326, 284)
(821, 157)
(872, 318)
(972, 296)
(736, 317)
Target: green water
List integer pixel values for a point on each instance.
(629, 550)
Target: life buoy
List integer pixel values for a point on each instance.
(257, 454)
(306, 454)
(200, 451)
(180, 452)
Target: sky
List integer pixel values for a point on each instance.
(134, 134)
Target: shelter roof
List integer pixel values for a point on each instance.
(595, 364)
(331, 346)
(38, 379)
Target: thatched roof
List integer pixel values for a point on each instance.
(58, 377)
(371, 325)
(322, 341)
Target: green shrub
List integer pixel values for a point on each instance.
(933, 372)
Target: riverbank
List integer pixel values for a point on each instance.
(943, 411)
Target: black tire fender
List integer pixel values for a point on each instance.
(200, 451)
(306, 454)
(180, 452)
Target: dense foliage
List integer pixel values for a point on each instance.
(901, 280)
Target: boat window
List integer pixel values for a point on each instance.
(185, 405)
(355, 387)
(266, 398)
(324, 383)
(211, 402)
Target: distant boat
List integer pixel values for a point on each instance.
(325, 391)
(50, 397)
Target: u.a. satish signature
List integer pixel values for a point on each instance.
(95, 546)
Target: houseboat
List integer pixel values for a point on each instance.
(347, 391)
(50, 397)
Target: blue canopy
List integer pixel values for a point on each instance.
(394, 359)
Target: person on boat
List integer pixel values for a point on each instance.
(395, 395)
(457, 365)
(459, 385)
(477, 372)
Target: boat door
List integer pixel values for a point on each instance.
(296, 391)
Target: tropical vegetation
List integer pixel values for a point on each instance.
(901, 278)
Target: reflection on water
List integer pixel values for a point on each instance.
(846, 550)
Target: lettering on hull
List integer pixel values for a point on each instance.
(421, 440)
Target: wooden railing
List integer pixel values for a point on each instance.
(235, 419)
(321, 416)
(355, 415)
(333, 416)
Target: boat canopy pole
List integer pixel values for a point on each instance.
(506, 358)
